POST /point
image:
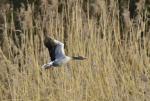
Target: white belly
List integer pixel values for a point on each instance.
(61, 61)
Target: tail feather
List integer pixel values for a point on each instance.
(46, 66)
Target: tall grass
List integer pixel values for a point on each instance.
(116, 69)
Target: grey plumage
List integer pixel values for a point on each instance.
(57, 54)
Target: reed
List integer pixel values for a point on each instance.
(116, 69)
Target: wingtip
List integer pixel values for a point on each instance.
(49, 41)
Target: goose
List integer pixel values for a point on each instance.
(57, 53)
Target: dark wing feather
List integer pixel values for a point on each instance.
(51, 45)
(52, 53)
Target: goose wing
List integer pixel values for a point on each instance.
(55, 48)
(51, 45)
(59, 50)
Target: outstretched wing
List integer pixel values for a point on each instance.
(51, 45)
(55, 48)
(59, 50)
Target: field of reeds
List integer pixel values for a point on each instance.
(117, 67)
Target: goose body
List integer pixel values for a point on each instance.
(57, 53)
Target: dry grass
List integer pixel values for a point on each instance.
(115, 70)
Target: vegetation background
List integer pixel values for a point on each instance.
(113, 34)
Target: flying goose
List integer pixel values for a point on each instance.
(57, 54)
